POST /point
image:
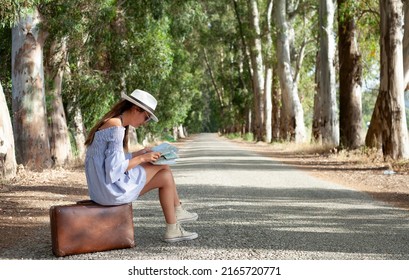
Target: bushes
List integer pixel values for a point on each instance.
(246, 137)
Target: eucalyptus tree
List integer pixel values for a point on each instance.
(257, 66)
(293, 113)
(268, 77)
(29, 108)
(8, 164)
(70, 24)
(245, 74)
(35, 149)
(358, 48)
(329, 107)
(388, 127)
(10, 13)
(113, 47)
(350, 76)
(406, 44)
(55, 64)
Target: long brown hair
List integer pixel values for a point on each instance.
(116, 111)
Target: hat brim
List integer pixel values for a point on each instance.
(141, 105)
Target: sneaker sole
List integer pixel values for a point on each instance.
(182, 238)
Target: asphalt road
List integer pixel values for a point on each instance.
(252, 207)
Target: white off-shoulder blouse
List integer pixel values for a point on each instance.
(105, 167)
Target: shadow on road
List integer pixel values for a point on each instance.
(300, 220)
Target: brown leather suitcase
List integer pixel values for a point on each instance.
(88, 227)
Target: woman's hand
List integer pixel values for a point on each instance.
(150, 156)
(143, 156)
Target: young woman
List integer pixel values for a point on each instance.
(115, 176)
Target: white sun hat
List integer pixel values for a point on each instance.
(143, 100)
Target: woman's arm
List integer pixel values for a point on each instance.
(142, 158)
(141, 152)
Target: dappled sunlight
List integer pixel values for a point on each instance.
(301, 219)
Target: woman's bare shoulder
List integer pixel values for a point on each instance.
(110, 123)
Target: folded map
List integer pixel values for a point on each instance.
(168, 154)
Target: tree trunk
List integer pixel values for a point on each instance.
(350, 80)
(59, 136)
(388, 124)
(30, 117)
(218, 91)
(292, 115)
(389, 114)
(181, 132)
(276, 108)
(257, 65)
(175, 133)
(406, 45)
(269, 76)
(8, 165)
(329, 116)
(79, 132)
(316, 135)
(246, 65)
(374, 134)
(132, 136)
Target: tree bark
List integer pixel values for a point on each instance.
(329, 109)
(292, 114)
(406, 44)
(8, 164)
(59, 136)
(30, 117)
(246, 65)
(394, 127)
(388, 124)
(276, 120)
(350, 80)
(316, 133)
(269, 76)
(79, 132)
(213, 79)
(257, 65)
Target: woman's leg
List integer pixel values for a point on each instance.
(161, 177)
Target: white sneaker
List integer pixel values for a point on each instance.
(183, 216)
(175, 233)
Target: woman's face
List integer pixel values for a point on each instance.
(140, 116)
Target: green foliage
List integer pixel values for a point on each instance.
(249, 137)
(233, 136)
(368, 104)
(5, 62)
(113, 47)
(11, 10)
(368, 19)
